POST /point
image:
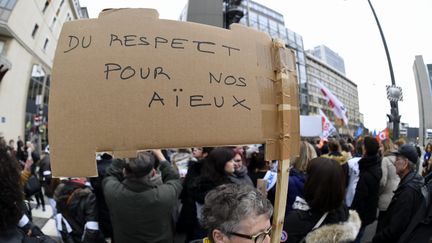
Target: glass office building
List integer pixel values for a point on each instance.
(267, 20)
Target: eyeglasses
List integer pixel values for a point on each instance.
(257, 238)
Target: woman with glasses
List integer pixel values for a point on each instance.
(236, 213)
(322, 216)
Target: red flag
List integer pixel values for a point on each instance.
(383, 135)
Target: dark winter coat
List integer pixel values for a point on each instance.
(420, 226)
(142, 212)
(96, 182)
(406, 200)
(187, 220)
(77, 205)
(45, 176)
(296, 183)
(299, 223)
(366, 196)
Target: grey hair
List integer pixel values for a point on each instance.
(411, 165)
(227, 205)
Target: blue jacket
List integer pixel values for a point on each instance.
(295, 187)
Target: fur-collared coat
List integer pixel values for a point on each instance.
(342, 232)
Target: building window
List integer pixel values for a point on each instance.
(53, 22)
(47, 2)
(35, 29)
(68, 17)
(45, 44)
(6, 7)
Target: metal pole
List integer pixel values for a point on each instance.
(248, 13)
(394, 110)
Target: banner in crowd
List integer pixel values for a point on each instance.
(311, 126)
(327, 127)
(121, 86)
(335, 104)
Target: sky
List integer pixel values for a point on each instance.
(348, 28)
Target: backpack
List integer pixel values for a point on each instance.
(420, 226)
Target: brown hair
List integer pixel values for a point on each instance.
(324, 189)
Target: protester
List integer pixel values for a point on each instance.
(322, 215)
(240, 175)
(335, 153)
(11, 148)
(187, 221)
(345, 148)
(48, 183)
(32, 154)
(180, 161)
(353, 172)
(236, 213)
(259, 168)
(426, 159)
(77, 212)
(140, 200)
(366, 196)
(217, 168)
(15, 226)
(297, 175)
(103, 161)
(406, 199)
(389, 180)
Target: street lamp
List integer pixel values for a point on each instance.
(394, 93)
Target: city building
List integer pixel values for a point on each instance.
(342, 87)
(29, 31)
(328, 62)
(329, 57)
(423, 80)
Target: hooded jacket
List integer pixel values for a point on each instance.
(365, 200)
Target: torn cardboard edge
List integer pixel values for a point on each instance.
(283, 147)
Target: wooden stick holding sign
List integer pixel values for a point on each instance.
(288, 121)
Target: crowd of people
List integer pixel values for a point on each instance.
(224, 194)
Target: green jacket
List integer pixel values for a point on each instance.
(142, 212)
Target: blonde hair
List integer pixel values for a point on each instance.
(400, 142)
(387, 145)
(307, 152)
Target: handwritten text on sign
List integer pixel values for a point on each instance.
(119, 71)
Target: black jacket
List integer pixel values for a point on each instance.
(366, 196)
(77, 204)
(299, 223)
(188, 218)
(420, 226)
(404, 204)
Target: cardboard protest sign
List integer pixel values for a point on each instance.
(129, 81)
